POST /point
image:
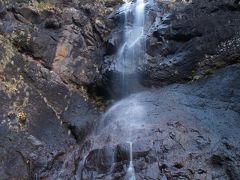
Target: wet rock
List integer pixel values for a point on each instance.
(49, 58)
(101, 160)
(179, 49)
(177, 131)
(184, 40)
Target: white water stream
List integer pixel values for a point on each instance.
(129, 55)
(130, 52)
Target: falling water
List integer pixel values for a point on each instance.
(80, 167)
(131, 171)
(130, 54)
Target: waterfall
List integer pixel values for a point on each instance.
(130, 54)
(130, 172)
(131, 51)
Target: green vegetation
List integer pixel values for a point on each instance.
(209, 72)
(203, 73)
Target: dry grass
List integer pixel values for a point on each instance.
(43, 5)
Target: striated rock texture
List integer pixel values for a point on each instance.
(55, 81)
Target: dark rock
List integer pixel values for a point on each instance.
(184, 40)
(29, 14)
(80, 116)
(3, 12)
(79, 19)
(58, 113)
(101, 160)
(77, 38)
(50, 86)
(183, 46)
(113, 3)
(51, 59)
(52, 23)
(178, 132)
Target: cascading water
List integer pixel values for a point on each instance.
(131, 172)
(131, 51)
(130, 54)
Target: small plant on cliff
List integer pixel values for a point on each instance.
(209, 72)
(22, 41)
(22, 117)
(196, 77)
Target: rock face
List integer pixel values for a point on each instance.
(55, 59)
(49, 55)
(201, 36)
(179, 132)
(64, 39)
(185, 40)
